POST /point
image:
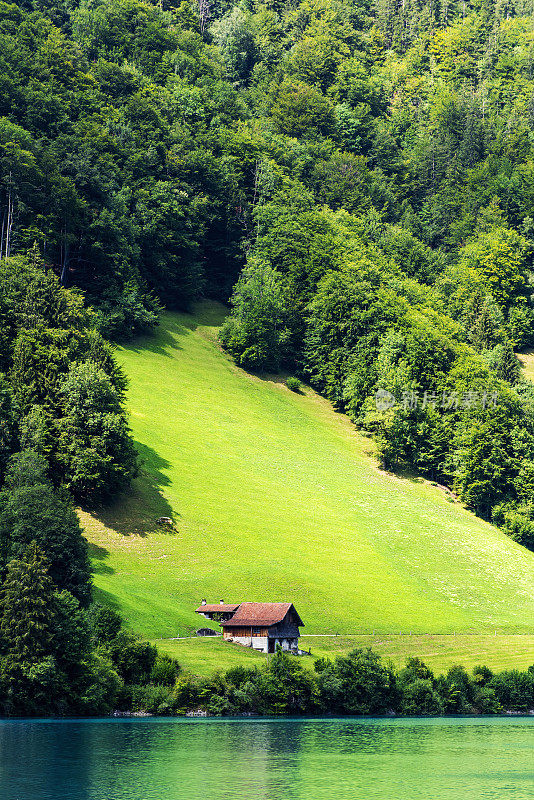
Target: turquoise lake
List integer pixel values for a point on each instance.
(271, 759)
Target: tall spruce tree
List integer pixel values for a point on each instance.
(26, 611)
(45, 664)
(28, 677)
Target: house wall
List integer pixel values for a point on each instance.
(290, 645)
(258, 642)
(244, 636)
(284, 631)
(245, 631)
(284, 635)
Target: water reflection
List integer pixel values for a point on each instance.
(267, 759)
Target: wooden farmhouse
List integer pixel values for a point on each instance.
(258, 625)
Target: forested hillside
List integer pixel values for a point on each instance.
(356, 178)
(366, 168)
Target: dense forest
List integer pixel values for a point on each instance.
(356, 178)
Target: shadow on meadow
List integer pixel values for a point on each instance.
(105, 598)
(136, 512)
(161, 342)
(98, 556)
(166, 338)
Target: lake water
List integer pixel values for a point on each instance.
(274, 759)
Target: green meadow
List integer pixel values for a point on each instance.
(515, 651)
(276, 497)
(526, 360)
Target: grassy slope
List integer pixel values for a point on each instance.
(203, 656)
(526, 360)
(276, 497)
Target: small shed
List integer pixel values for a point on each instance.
(206, 632)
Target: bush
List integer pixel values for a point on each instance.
(186, 694)
(256, 333)
(285, 686)
(165, 670)
(358, 683)
(519, 528)
(294, 384)
(486, 701)
(102, 686)
(151, 699)
(457, 691)
(514, 689)
(126, 313)
(419, 698)
(133, 658)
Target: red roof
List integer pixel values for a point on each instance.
(212, 608)
(261, 614)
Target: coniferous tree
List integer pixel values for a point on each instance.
(45, 662)
(28, 670)
(503, 361)
(26, 621)
(8, 425)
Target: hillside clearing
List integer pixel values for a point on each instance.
(526, 361)
(276, 497)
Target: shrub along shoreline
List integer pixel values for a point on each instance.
(358, 684)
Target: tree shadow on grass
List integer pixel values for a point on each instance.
(406, 474)
(161, 342)
(152, 466)
(166, 337)
(136, 511)
(206, 313)
(98, 556)
(105, 598)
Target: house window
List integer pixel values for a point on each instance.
(256, 631)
